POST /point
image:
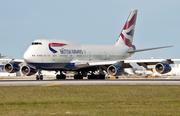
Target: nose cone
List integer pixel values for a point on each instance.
(27, 57)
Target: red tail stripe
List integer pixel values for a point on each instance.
(131, 22)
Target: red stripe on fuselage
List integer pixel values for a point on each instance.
(56, 44)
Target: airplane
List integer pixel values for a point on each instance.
(62, 56)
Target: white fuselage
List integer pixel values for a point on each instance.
(40, 53)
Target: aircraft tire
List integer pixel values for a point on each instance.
(37, 77)
(96, 76)
(41, 77)
(78, 76)
(61, 76)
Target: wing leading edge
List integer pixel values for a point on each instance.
(141, 50)
(124, 63)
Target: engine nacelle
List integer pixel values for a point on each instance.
(162, 68)
(115, 70)
(28, 71)
(11, 67)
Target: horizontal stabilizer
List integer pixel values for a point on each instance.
(141, 50)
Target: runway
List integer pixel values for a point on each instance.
(54, 82)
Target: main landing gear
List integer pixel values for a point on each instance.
(96, 76)
(100, 74)
(61, 76)
(78, 76)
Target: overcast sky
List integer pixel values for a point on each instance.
(89, 22)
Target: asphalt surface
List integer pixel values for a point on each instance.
(54, 82)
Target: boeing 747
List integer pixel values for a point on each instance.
(62, 56)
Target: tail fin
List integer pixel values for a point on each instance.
(126, 36)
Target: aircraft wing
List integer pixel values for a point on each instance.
(16, 61)
(84, 64)
(140, 50)
(124, 63)
(146, 62)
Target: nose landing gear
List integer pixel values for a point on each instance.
(39, 76)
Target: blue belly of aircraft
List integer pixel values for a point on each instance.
(55, 66)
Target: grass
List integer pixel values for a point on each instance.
(91, 100)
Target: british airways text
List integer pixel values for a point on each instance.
(71, 51)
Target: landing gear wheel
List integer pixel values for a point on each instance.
(61, 76)
(96, 76)
(78, 76)
(39, 77)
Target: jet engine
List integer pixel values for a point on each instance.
(28, 71)
(115, 70)
(162, 68)
(11, 67)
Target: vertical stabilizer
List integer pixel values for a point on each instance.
(126, 36)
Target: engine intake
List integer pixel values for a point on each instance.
(162, 68)
(28, 71)
(11, 67)
(115, 70)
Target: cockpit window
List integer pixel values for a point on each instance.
(36, 43)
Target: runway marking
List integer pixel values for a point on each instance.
(53, 84)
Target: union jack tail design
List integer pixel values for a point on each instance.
(126, 36)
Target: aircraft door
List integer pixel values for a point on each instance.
(54, 58)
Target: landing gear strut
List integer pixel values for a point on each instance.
(78, 76)
(39, 76)
(61, 76)
(100, 75)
